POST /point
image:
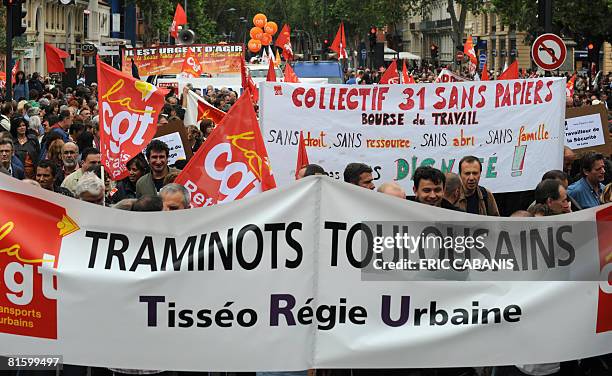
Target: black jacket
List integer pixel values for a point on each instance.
(125, 189)
(31, 147)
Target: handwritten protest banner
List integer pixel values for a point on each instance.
(515, 127)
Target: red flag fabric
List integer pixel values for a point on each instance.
(405, 77)
(180, 18)
(128, 114)
(391, 76)
(233, 162)
(54, 57)
(271, 76)
(468, 50)
(290, 75)
(511, 73)
(485, 73)
(569, 87)
(199, 109)
(284, 42)
(191, 65)
(302, 157)
(248, 84)
(339, 43)
(15, 70)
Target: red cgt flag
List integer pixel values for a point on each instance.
(180, 18)
(284, 41)
(199, 109)
(54, 57)
(290, 75)
(191, 65)
(511, 73)
(391, 76)
(468, 50)
(302, 157)
(232, 163)
(128, 113)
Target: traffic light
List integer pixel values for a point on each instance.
(18, 17)
(434, 51)
(325, 46)
(592, 53)
(372, 36)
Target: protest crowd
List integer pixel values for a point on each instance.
(50, 137)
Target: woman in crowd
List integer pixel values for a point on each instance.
(126, 188)
(206, 127)
(20, 88)
(54, 152)
(194, 136)
(27, 147)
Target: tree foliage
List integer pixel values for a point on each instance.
(583, 21)
(458, 19)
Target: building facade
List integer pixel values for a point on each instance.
(420, 32)
(500, 44)
(71, 26)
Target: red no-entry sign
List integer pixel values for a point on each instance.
(548, 51)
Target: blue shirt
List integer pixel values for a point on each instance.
(583, 193)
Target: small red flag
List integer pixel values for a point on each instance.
(290, 75)
(54, 57)
(180, 18)
(302, 157)
(511, 73)
(191, 65)
(271, 76)
(406, 78)
(284, 42)
(485, 73)
(233, 162)
(569, 87)
(199, 109)
(248, 84)
(391, 76)
(468, 50)
(339, 43)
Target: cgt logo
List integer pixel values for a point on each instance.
(28, 302)
(604, 235)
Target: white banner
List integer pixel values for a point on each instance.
(515, 127)
(274, 282)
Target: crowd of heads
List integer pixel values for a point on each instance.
(50, 138)
(584, 185)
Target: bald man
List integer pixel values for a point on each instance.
(392, 189)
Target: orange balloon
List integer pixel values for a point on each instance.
(256, 32)
(254, 45)
(266, 39)
(271, 27)
(260, 20)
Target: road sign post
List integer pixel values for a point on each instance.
(549, 52)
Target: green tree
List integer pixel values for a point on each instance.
(424, 7)
(583, 21)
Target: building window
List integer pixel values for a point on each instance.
(493, 23)
(486, 23)
(85, 26)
